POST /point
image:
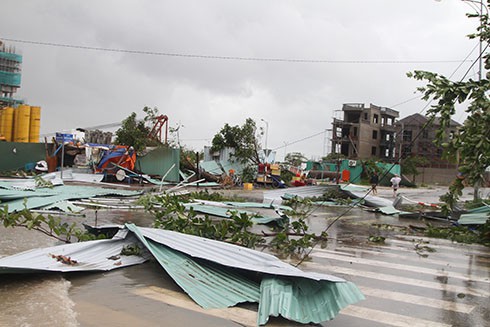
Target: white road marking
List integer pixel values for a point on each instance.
(388, 318)
(384, 264)
(396, 279)
(416, 299)
(352, 252)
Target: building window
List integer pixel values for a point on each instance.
(373, 150)
(375, 119)
(406, 151)
(375, 135)
(425, 134)
(355, 131)
(407, 136)
(365, 116)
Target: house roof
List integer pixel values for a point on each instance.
(418, 119)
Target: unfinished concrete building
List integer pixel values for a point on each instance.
(417, 139)
(365, 132)
(10, 73)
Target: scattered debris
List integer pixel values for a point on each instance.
(214, 274)
(64, 259)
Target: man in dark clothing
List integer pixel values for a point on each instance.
(374, 182)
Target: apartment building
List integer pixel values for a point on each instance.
(365, 132)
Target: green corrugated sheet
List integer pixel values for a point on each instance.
(208, 284)
(213, 285)
(159, 161)
(211, 167)
(478, 218)
(47, 196)
(289, 297)
(480, 209)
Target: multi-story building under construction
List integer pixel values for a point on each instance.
(365, 132)
(18, 122)
(10, 75)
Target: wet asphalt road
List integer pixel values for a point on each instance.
(446, 285)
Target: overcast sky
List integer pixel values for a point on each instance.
(84, 88)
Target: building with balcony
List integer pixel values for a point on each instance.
(365, 132)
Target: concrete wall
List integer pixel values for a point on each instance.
(434, 176)
(14, 155)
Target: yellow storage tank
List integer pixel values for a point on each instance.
(35, 124)
(22, 121)
(1, 123)
(8, 123)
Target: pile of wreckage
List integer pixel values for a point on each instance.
(214, 274)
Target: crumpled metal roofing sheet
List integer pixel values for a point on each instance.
(371, 200)
(207, 284)
(285, 290)
(46, 196)
(274, 196)
(477, 218)
(304, 300)
(211, 167)
(225, 212)
(90, 256)
(226, 254)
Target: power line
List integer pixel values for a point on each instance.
(231, 58)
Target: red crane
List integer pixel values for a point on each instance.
(156, 131)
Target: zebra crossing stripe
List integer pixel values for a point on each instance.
(347, 251)
(450, 247)
(396, 279)
(418, 300)
(389, 265)
(388, 318)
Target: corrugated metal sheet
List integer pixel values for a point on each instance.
(285, 290)
(225, 212)
(159, 161)
(290, 297)
(47, 196)
(211, 272)
(478, 218)
(274, 196)
(90, 256)
(207, 284)
(228, 254)
(211, 167)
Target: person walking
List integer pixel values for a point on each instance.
(374, 182)
(395, 183)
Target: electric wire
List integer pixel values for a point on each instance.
(221, 57)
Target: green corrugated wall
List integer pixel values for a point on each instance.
(159, 161)
(14, 155)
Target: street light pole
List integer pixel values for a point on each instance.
(266, 152)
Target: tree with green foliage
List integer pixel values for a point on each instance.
(242, 139)
(471, 145)
(294, 158)
(132, 133)
(135, 133)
